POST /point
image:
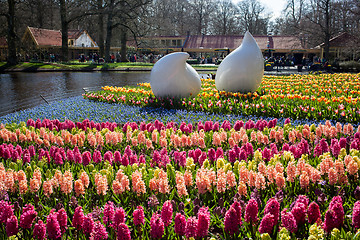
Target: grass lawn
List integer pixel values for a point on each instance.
(87, 66)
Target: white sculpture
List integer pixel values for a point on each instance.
(243, 69)
(172, 76)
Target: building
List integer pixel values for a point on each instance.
(41, 43)
(221, 45)
(343, 47)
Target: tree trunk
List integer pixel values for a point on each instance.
(40, 14)
(327, 31)
(101, 28)
(64, 32)
(109, 28)
(11, 38)
(123, 44)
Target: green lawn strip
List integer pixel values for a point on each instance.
(89, 66)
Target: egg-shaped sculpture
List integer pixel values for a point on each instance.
(243, 69)
(171, 76)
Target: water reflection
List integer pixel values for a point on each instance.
(22, 90)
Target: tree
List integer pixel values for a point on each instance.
(70, 11)
(100, 8)
(11, 35)
(224, 20)
(201, 10)
(121, 13)
(253, 17)
(169, 17)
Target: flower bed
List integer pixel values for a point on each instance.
(313, 97)
(170, 179)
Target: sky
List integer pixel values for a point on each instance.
(274, 6)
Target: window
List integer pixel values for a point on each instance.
(71, 42)
(173, 43)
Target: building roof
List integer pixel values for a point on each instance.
(3, 42)
(232, 42)
(47, 37)
(343, 40)
(74, 34)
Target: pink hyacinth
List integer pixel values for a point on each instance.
(203, 222)
(355, 215)
(109, 213)
(180, 223)
(313, 212)
(139, 216)
(62, 219)
(99, 232)
(236, 205)
(119, 217)
(231, 221)
(27, 218)
(6, 211)
(190, 227)
(273, 207)
(39, 231)
(329, 221)
(303, 199)
(108, 156)
(78, 218)
(123, 232)
(58, 159)
(12, 226)
(267, 224)
(251, 211)
(97, 158)
(86, 158)
(299, 212)
(88, 224)
(157, 226)
(288, 221)
(166, 213)
(339, 213)
(52, 226)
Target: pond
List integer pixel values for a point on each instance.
(24, 90)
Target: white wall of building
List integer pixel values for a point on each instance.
(84, 41)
